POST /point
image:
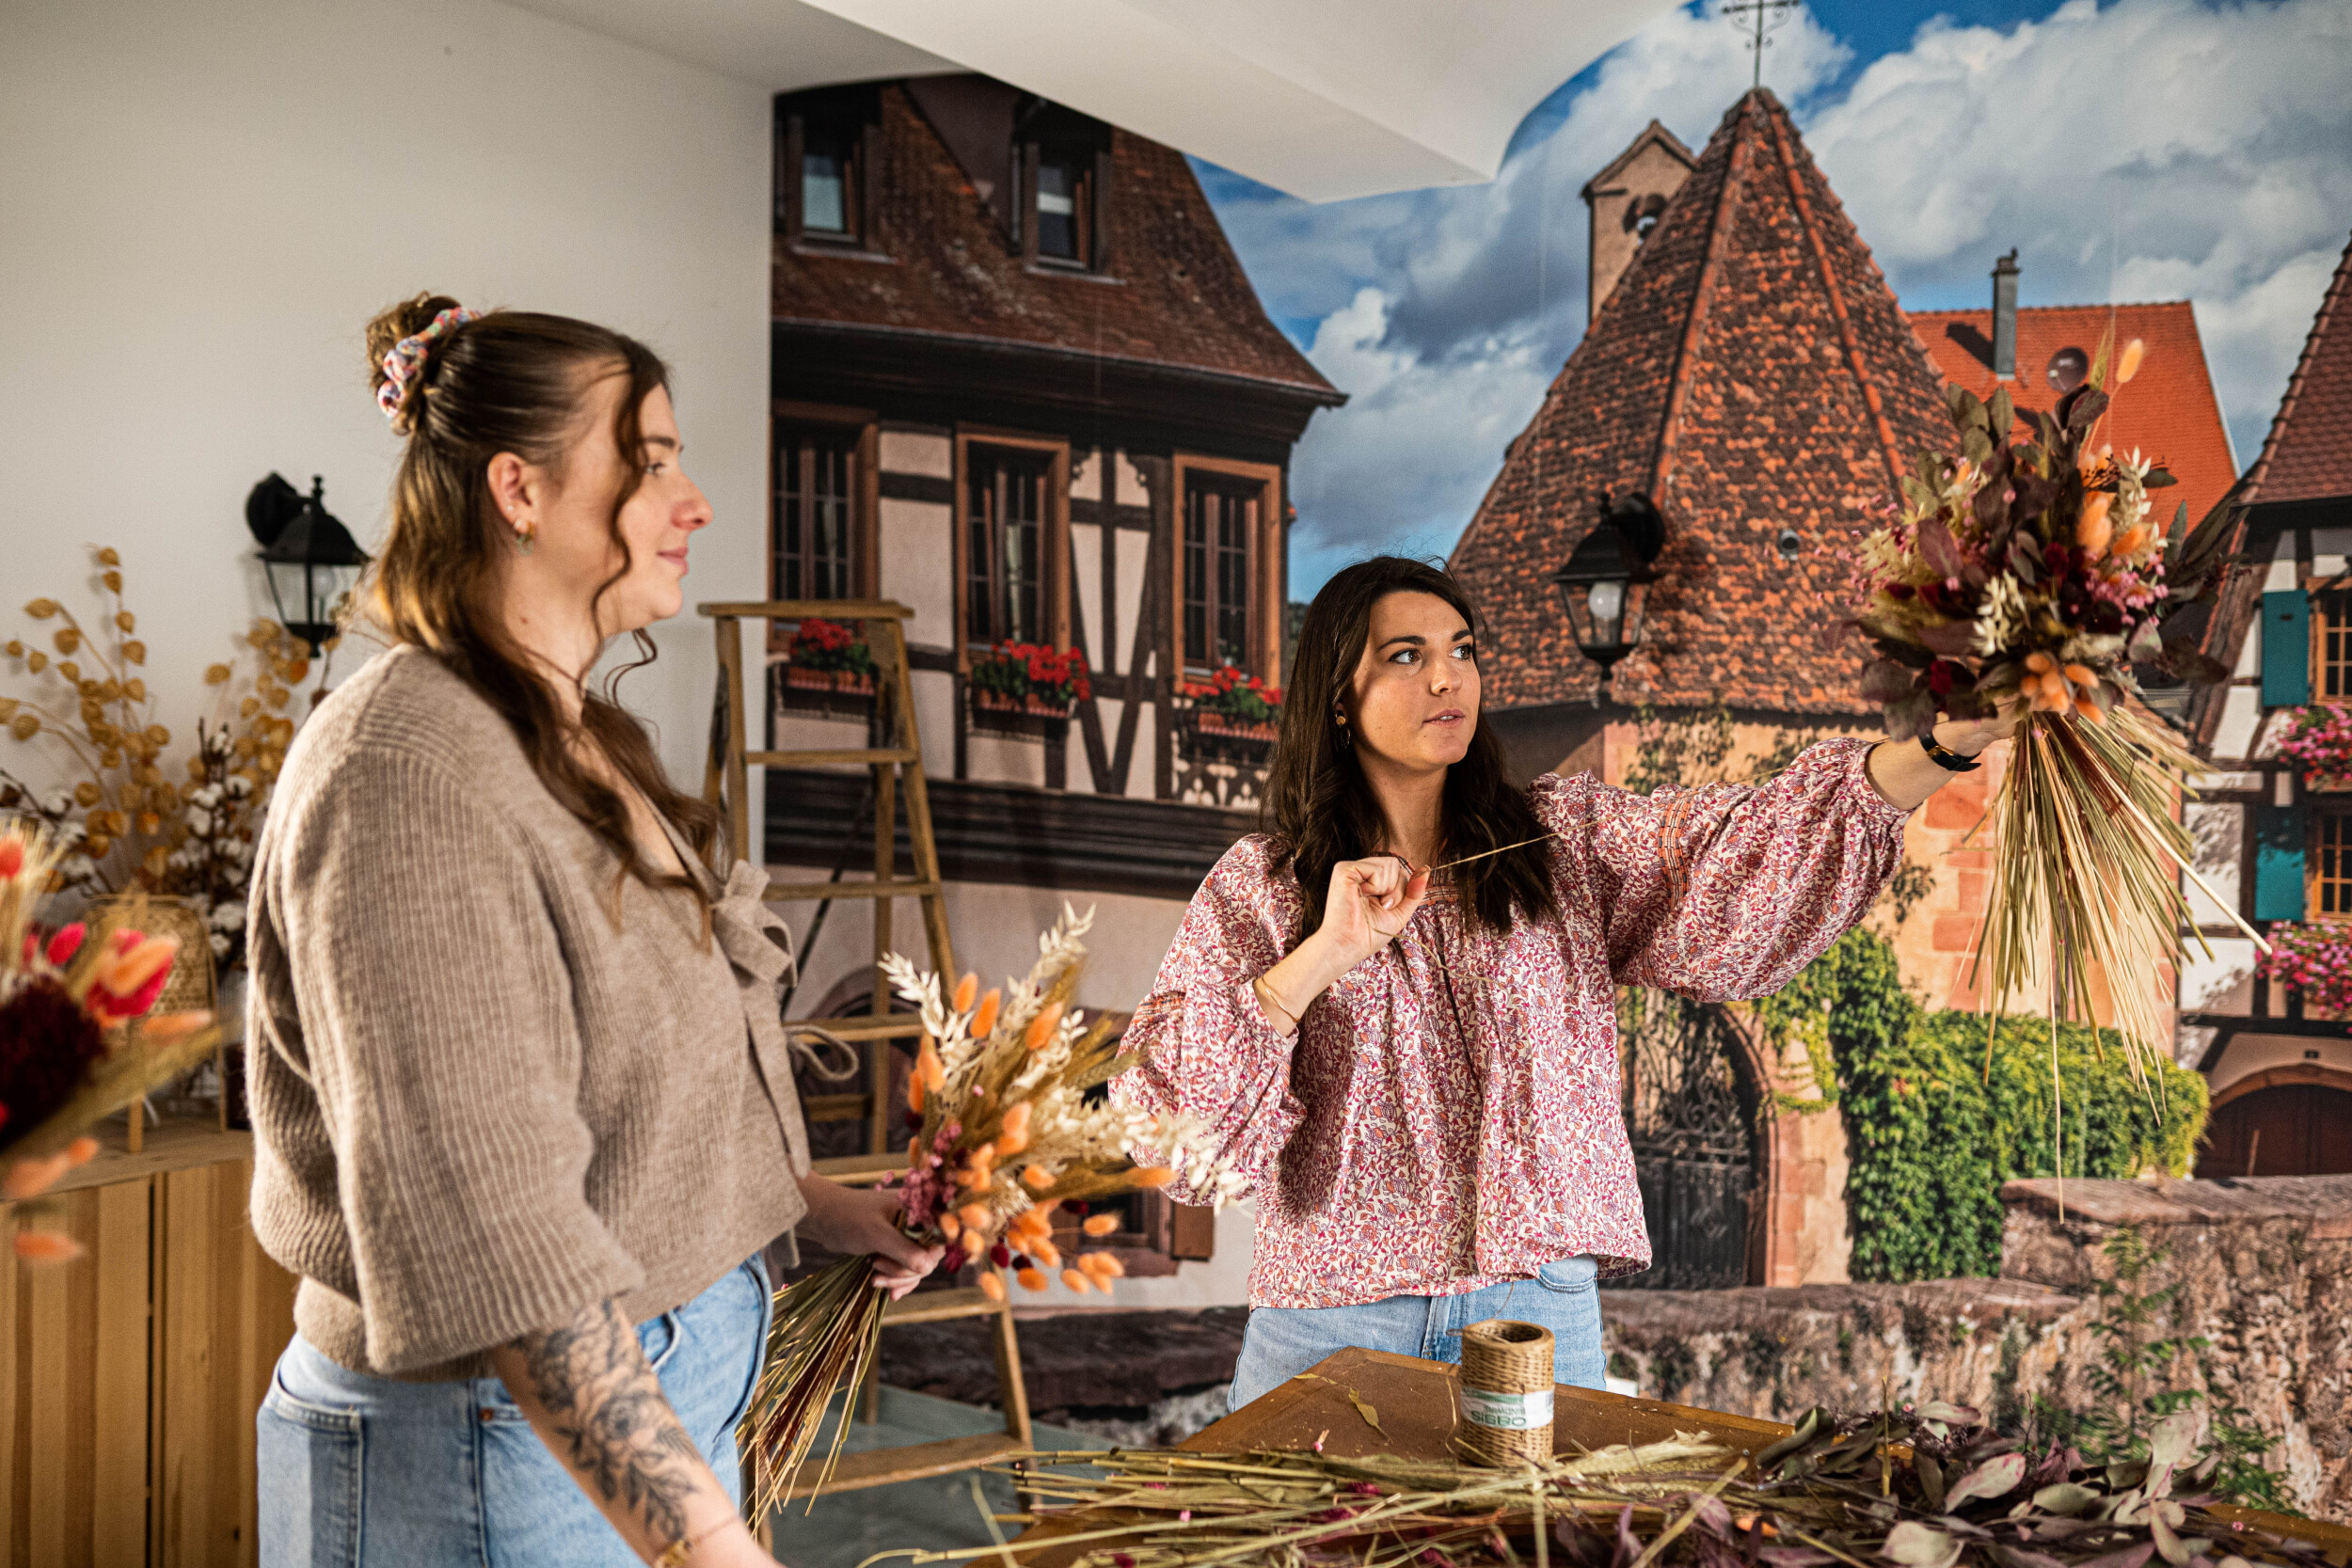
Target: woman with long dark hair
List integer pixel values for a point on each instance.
(1396, 1002)
(523, 1113)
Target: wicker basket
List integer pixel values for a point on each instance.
(191, 982)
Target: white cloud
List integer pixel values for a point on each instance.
(2145, 149)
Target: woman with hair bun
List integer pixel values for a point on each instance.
(1396, 1002)
(523, 1113)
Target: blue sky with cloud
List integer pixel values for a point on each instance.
(2137, 150)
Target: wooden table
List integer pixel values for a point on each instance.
(1418, 1400)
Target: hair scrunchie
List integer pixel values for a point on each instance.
(406, 358)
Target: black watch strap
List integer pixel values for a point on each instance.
(1945, 757)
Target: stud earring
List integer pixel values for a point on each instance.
(525, 537)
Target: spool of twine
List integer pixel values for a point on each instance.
(1506, 1392)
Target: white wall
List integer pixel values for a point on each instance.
(204, 201)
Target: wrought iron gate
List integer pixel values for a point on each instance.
(1693, 1140)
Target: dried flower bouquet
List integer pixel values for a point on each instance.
(2028, 571)
(1010, 1125)
(75, 1043)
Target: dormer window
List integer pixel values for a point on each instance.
(1063, 160)
(826, 145)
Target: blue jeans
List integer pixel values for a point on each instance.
(1282, 1341)
(365, 1472)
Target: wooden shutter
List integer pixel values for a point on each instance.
(2278, 844)
(2286, 649)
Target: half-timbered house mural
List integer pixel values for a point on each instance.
(2273, 828)
(1022, 386)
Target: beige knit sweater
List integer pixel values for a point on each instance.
(479, 1105)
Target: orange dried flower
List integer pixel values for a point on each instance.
(915, 1093)
(31, 1178)
(81, 1151)
(2089, 710)
(975, 1215)
(1041, 1030)
(984, 1022)
(2127, 366)
(950, 1227)
(1030, 1279)
(1153, 1175)
(2081, 676)
(1105, 1264)
(46, 1247)
(1099, 1225)
(2094, 529)
(2040, 663)
(966, 988)
(929, 1068)
(1037, 1178)
(993, 1285)
(1076, 1281)
(1045, 1252)
(975, 1246)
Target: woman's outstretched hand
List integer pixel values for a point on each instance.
(851, 1220)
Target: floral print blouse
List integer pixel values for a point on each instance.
(1449, 1113)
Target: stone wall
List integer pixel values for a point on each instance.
(2264, 1267)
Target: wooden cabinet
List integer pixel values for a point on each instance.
(129, 1378)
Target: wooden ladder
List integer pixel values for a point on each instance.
(896, 765)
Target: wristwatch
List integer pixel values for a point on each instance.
(1945, 757)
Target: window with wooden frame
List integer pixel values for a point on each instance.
(1013, 540)
(2329, 891)
(1062, 215)
(823, 498)
(1229, 566)
(828, 147)
(2332, 646)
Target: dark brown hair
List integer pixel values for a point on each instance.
(516, 381)
(1319, 808)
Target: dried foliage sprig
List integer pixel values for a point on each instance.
(1011, 1125)
(1929, 1487)
(121, 822)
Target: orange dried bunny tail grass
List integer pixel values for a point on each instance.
(1076, 1281)
(993, 1285)
(81, 1150)
(1030, 1279)
(966, 988)
(1041, 1030)
(975, 1215)
(1037, 1178)
(1099, 1225)
(950, 1227)
(1045, 1252)
(2127, 366)
(1153, 1175)
(914, 1092)
(1103, 1263)
(46, 1247)
(31, 1178)
(173, 1027)
(2094, 530)
(929, 1068)
(984, 1022)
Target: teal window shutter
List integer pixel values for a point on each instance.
(2286, 651)
(2279, 861)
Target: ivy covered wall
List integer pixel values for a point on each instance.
(1940, 1110)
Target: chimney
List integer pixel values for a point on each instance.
(2004, 316)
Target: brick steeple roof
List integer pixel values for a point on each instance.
(1752, 373)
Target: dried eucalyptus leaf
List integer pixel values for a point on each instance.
(1996, 1477)
(1930, 1476)
(2000, 413)
(2172, 1438)
(1918, 1546)
(2065, 1498)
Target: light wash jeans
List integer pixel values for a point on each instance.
(366, 1472)
(1282, 1341)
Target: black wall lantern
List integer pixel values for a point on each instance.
(311, 558)
(1605, 585)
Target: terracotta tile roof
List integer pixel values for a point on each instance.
(1753, 373)
(2167, 411)
(2307, 454)
(1176, 294)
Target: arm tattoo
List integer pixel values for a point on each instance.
(617, 1428)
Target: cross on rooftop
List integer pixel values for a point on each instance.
(1766, 17)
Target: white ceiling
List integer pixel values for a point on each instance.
(1324, 98)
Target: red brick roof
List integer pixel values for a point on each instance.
(2307, 454)
(1752, 373)
(2167, 410)
(1175, 294)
